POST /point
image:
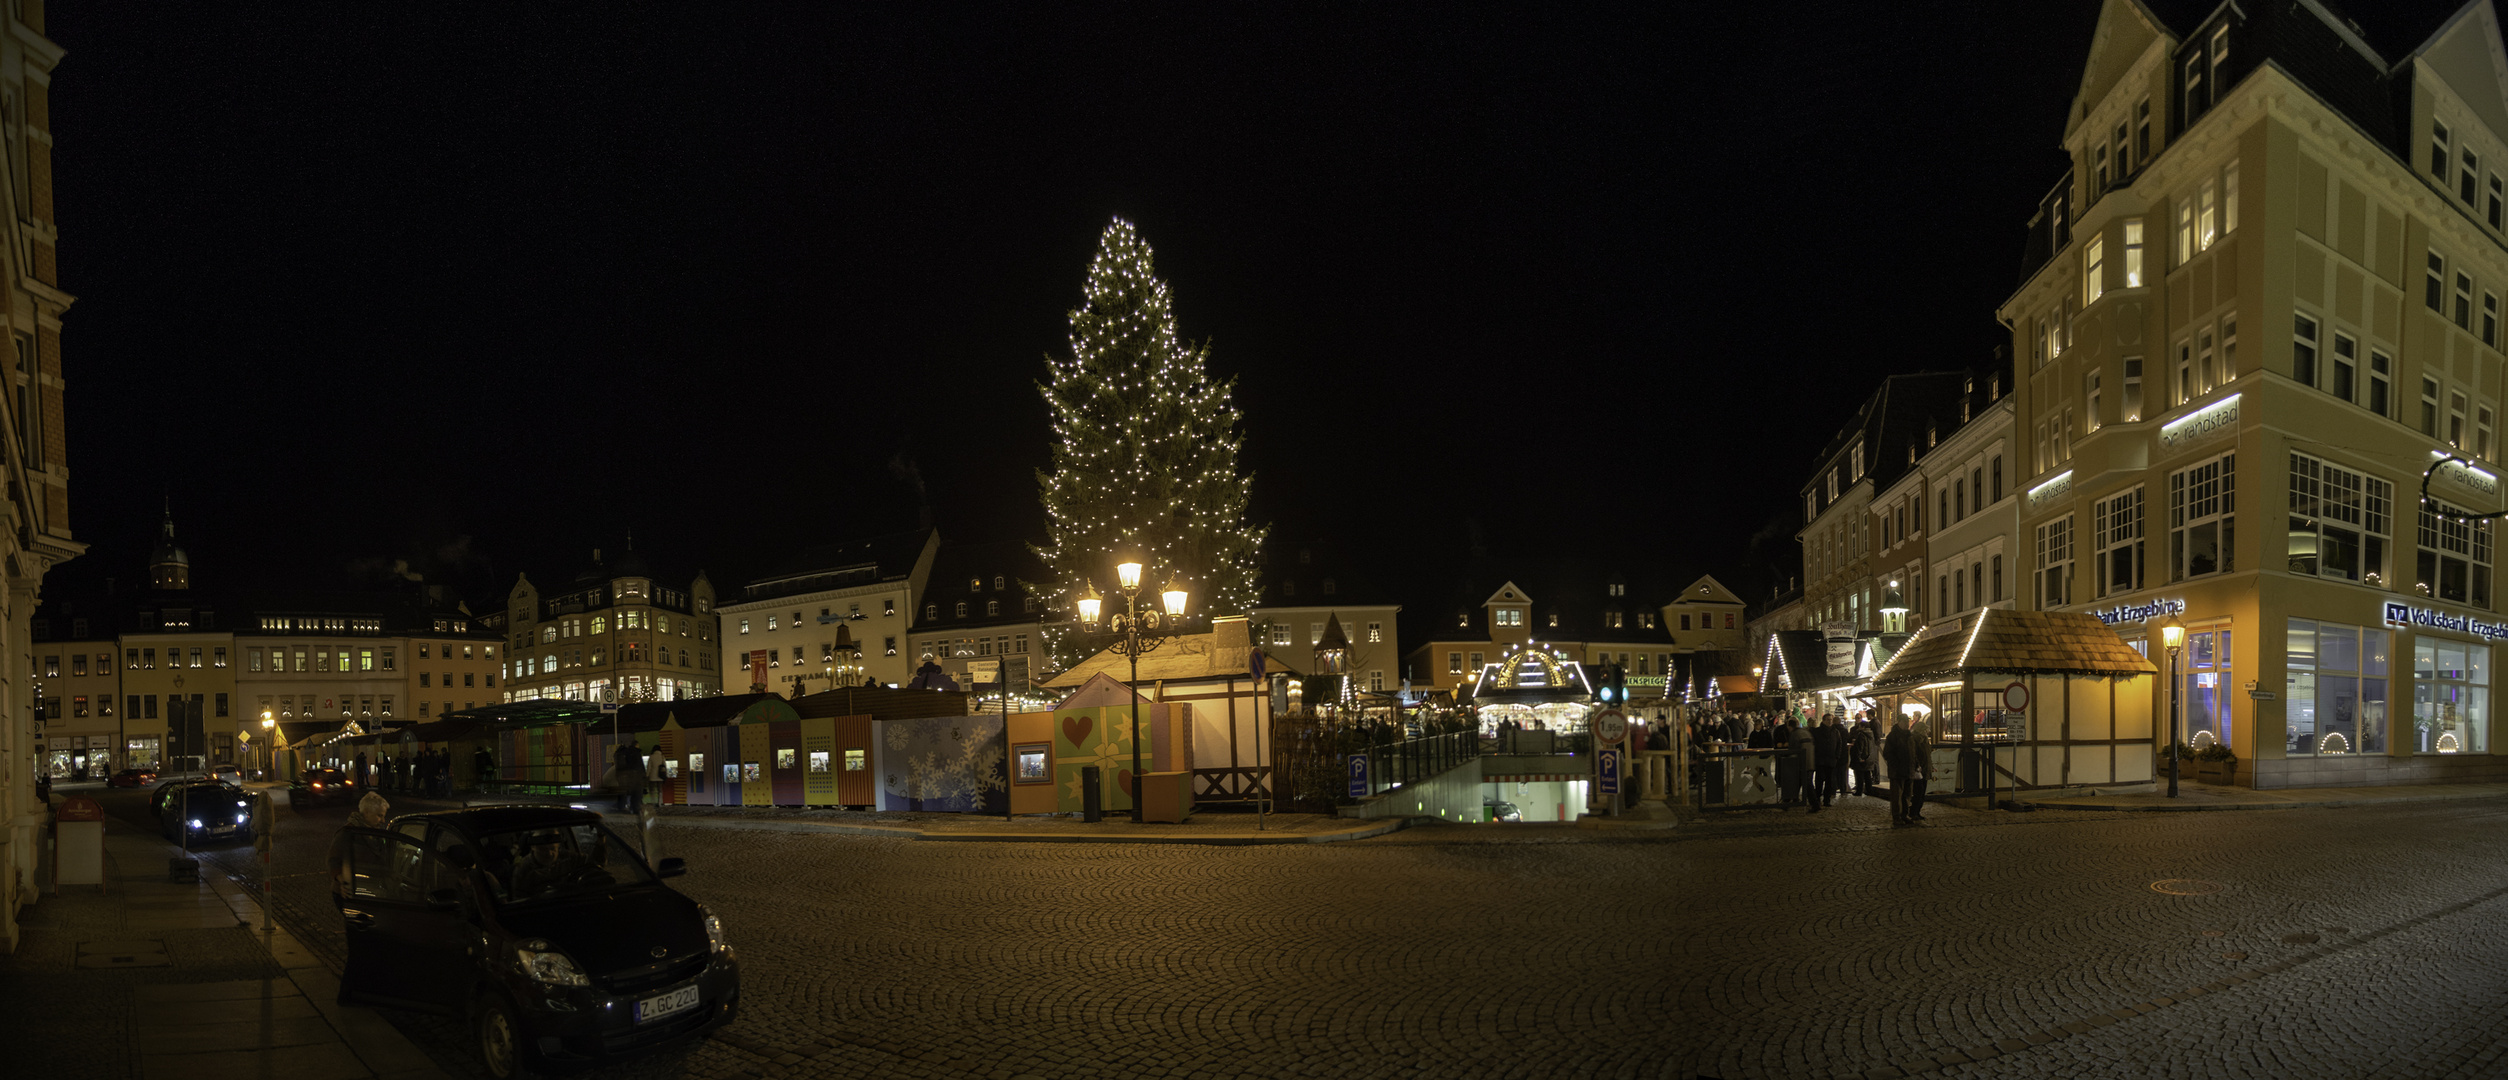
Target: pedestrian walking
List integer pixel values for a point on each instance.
(482, 767)
(1909, 757)
(1859, 751)
(629, 759)
(1829, 753)
(1806, 747)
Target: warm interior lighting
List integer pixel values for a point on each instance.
(1090, 603)
(1128, 575)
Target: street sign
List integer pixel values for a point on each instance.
(609, 700)
(1358, 776)
(1607, 769)
(983, 671)
(2016, 697)
(1610, 727)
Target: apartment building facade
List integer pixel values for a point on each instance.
(2262, 312)
(613, 630)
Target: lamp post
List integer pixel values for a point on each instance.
(1142, 632)
(2173, 636)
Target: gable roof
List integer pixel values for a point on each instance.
(2004, 641)
(1184, 658)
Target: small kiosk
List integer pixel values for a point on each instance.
(2023, 700)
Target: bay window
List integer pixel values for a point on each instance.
(2340, 521)
(2202, 518)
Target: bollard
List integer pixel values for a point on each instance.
(1089, 806)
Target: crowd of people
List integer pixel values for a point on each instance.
(426, 772)
(1828, 756)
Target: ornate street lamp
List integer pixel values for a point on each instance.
(2172, 636)
(1139, 633)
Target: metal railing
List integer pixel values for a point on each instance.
(1405, 762)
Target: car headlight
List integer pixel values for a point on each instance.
(242, 817)
(713, 931)
(195, 823)
(550, 966)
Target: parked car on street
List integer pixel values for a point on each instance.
(132, 778)
(1502, 811)
(539, 925)
(228, 774)
(196, 812)
(320, 787)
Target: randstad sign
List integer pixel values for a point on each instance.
(2134, 613)
(2213, 420)
(2403, 616)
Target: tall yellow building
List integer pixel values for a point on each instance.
(36, 446)
(614, 629)
(2262, 306)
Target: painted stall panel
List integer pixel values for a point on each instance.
(857, 769)
(669, 765)
(755, 753)
(705, 785)
(1032, 763)
(784, 738)
(1094, 736)
(818, 761)
(951, 764)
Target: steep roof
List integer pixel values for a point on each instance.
(866, 561)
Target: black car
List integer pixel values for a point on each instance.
(322, 786)
(196, 812)
(538, 924)
(131, 778)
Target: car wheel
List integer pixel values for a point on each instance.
(499, 1038)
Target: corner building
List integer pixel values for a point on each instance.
(2263, 303)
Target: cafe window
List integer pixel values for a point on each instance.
(857, 760)
(2455, 559)
(2339, 521)
(2450, 697)
(1031, 764)
(2336, 689)
(2204, 697)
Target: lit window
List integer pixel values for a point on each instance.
(2133, 253)
(2093, 269)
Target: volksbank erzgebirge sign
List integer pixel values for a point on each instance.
(2403, 616)
(2134, 613)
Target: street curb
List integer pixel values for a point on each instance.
(2309, 804)
(887, 832)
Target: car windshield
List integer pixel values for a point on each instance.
(555, 862)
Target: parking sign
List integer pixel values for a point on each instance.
(1607, 769)
(1358, 776)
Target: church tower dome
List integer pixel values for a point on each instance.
(168, 566)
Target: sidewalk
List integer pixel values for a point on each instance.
(1228, 829)
(2193, 796)
(151, 980)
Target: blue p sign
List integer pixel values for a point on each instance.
(1358, 776)
(1607, 770)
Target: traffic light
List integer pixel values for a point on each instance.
(1598, 676)
(1619, 683)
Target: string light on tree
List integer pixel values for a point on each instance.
(1145, 445)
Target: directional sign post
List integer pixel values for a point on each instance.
(1358, 776)
(1607, 769)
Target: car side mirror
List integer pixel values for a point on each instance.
(443, 900)
(672, 866)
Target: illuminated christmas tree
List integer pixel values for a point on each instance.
(1145, 451)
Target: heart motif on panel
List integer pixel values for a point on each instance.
(1123, 779)
(1076, 728)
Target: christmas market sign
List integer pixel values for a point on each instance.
(2403, 616)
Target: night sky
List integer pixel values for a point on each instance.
(486, 289)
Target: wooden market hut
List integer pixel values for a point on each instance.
(2024, 700)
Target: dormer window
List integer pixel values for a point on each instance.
(1000, 582)
(1288, 588)
(1554, 620)
(1330, 587)
(1463, 619)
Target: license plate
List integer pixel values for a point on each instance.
(221, 828)
(670, 1004)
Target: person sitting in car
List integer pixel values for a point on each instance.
(551, 863)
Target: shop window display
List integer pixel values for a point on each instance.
(2336, 689)
(2205, 695)
(2450, 697)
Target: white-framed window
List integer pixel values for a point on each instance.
(2055, 564)
(2229, 198)
(1375, 632)
(2451, 696)
(2490, 319)
(2207, 363)
(2093, 269)
(2455, 419)
(2124, 150)
(2133, 249)
(2202, 518)
(2482, 432)
(2438, 149)
(2207, 216)
(2455, 559)
(2434, 283)
(2185, 230)
(2343, 375)
(2116, 533)
(2381, 382)
(2090, 394)
(1854, 465)
(2429, 407)
(2130, 405)
(2341, 521)
(2464, 300)
(1454, 663)
(2468, 174)
(2303, 349)
(744, 626)
(2098, 159)
(2142, 131)
(2185, 372)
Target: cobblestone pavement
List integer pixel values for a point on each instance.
(2364, 941)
